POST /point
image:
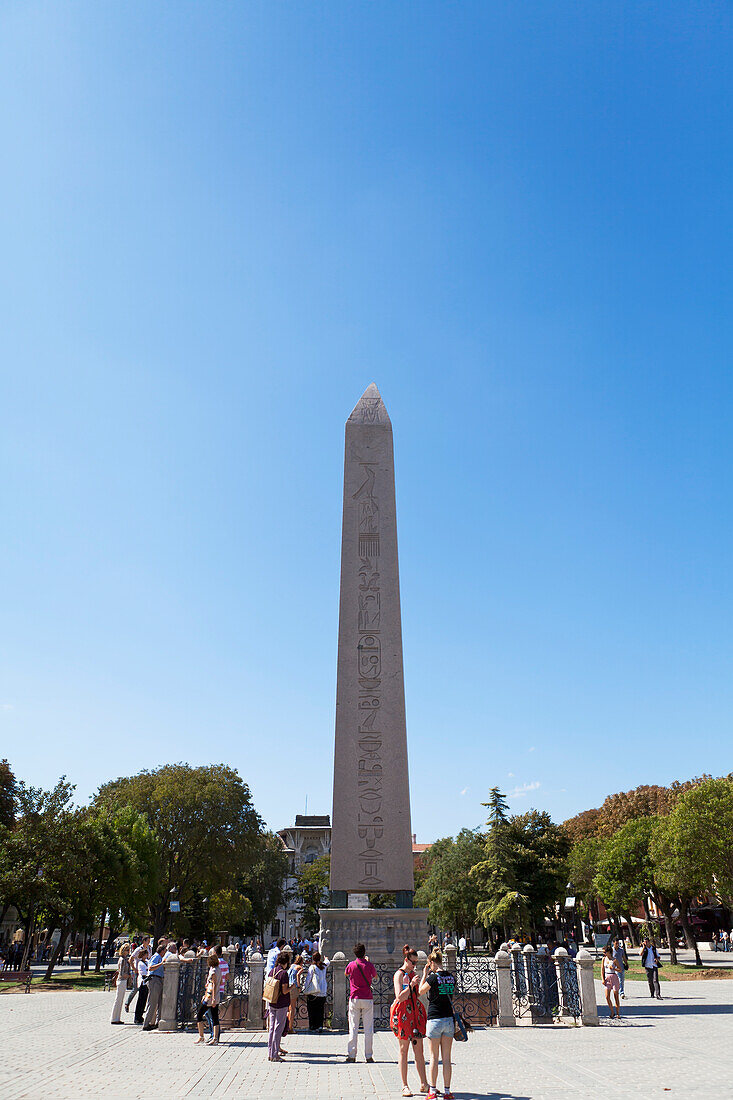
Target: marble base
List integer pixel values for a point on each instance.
(383, 932)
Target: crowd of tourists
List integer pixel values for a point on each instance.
(411, 1022)
(422, 1007)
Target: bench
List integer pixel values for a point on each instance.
(17, 977)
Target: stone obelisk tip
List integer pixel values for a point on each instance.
(370, 409)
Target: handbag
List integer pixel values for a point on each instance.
(271, 990)
(311, 984)
(460, 1030)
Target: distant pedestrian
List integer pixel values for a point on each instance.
(223, 968)
(315, 991)
(650, 960)
(726, 939)
(361, 973)
(273, 953)
(619, 954)
(277, 1011)
(408, 1018)
(439, 984)
(210, 1001)
(295, 972)
(610, 979)
(155, 986)
(462, 950)
(121, 979)
(142, 986)
(135, 955)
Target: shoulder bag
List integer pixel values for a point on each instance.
(271, 990)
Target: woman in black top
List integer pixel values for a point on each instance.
(439, 984)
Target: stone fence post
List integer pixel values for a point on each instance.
(587, 987)
(255, 1016)
(527, 953)
(558, 958)
(339, 1014)
(503, 963)
(450, 958)
(169, 997)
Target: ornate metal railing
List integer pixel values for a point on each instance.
(543, 984)
(521, 1001)
(236, 1004)
(571, 1002)
(477, 991)
(191, 986)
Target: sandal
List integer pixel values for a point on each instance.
(406, 1091)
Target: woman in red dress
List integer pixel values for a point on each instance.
(408, 1018)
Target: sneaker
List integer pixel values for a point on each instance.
(350, 1059)
(448, 1095)
(370, 1059)
(432, 1095)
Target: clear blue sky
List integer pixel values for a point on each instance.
(219, 223)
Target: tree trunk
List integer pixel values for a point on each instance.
(98, 965)
(632, 932)
(29, 924)
(669, 926)
(58, 951)
(689, 937)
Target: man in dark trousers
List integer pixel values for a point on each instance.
(650, 961)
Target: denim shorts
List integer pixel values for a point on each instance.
(444, 1025)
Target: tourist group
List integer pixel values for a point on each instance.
(290, 975)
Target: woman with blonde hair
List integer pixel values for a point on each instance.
(407, 1018)
(210, 1002)
(439, 984)
(121, 979)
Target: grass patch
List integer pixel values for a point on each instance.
(669, 973)
(64, 980)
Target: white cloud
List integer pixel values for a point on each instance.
(465, 791)
(525, 788)
(7, 706)
(531, 750)
(510, 775)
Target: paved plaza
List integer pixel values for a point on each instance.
(61, 1045)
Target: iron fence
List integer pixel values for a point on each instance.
(476, 995)
(191, 986)
(571, 1002)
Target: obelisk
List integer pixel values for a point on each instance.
(371, 839)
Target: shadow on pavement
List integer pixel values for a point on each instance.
(674, 1008)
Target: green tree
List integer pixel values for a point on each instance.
(7, 796)
(206, 826)
(626, 874)
(524, 870)
(449, 891)
(229, 909)
(263, 882)
(704, 825)
(583, 862)
(312, 882)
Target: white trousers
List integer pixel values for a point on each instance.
(361, 1009)
(120, 992)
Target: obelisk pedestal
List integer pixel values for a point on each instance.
(371, 839)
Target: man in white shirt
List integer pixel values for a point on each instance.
(142, 979)
(137, 954)
(463, 949)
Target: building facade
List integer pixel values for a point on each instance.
(304, 842)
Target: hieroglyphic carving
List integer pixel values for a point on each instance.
(369, 669)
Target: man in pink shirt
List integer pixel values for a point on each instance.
(361, 974)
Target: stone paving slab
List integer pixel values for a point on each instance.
(59, 1046)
